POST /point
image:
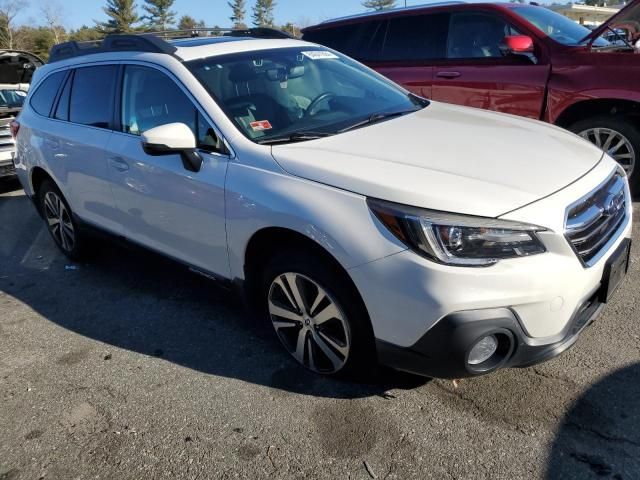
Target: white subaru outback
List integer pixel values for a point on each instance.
(369, 225)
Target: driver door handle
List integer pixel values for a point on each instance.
(448, 74)
(119, 164)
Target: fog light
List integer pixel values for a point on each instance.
(483, 350)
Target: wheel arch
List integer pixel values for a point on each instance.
(594, 107)
(37, 177)
(265, 243)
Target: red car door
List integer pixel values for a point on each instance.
(478, 74)
(412, 43)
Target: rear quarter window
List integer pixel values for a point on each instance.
(44, 96)
(362, 41)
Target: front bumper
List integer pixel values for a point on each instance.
(418, 308)
(442, 352)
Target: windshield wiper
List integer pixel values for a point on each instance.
(377, 117)
(294, 137)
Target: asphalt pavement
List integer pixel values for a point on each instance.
(131, 367)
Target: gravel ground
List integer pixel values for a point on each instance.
(131, 367)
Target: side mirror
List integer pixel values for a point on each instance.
(173, 138)
(517, 44)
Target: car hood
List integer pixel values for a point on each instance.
(447, 158)
(628, 18)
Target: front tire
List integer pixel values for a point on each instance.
(317, 315)
(618, 137)
(61, 224)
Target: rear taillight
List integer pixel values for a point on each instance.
(14, 126)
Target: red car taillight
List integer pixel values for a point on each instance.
(15, 128)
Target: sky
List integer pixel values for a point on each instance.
(214, 12)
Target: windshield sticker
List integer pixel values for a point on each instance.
(261, 125)
(320, 55)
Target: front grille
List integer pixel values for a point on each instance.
(596, 219)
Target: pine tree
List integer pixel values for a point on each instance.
(122, 16)
(263, 13)
(159, 14)
(379, 4)
(239, 10)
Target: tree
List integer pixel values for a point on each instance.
(379, 4)
(122, 16)
(52, 13)
(8, 11)
(187, 22)
(238, 7)
(263, 13)
(159, 14)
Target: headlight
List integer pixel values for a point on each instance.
(458, 239)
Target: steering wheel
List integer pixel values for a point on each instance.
(317, 101)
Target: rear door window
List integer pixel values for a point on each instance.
(92, 96)
(416, 38)
(477, 35)
(43, 98)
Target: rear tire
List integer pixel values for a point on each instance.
(60, 221)
(617, 136)
(318, 316)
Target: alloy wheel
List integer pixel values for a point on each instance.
(59, 221)
(309, 323)
(615, 144)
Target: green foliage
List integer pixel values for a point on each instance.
(263, 13)
(159, 15)
(187, 22)
(239, 12)
(122, 16)
(379, 4)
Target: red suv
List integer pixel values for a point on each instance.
(521, 59)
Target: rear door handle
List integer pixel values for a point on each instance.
(119, 164)
(448, 74)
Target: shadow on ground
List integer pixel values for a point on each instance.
(606, 420)
(139, 301)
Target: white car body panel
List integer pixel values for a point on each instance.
(457, 151)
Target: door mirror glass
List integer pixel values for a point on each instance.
(517, 44)
(173, 138)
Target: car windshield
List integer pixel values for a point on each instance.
(295, 94)
(556, 26)
(12, 98)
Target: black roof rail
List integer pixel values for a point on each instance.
(257, 32)
(111, 43)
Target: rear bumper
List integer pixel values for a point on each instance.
(442, 352)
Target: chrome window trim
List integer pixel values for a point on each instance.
(616, 236)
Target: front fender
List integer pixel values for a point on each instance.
(337, 220)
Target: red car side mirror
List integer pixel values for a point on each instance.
(518, 44)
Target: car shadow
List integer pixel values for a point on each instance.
(605, 419)
(132, 299)
(8, 185)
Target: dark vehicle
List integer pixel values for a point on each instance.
(521, 59)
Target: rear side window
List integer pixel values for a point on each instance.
(92, 96)
(362, 41)
(62, 110)
(416, 38)
(43, 98)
